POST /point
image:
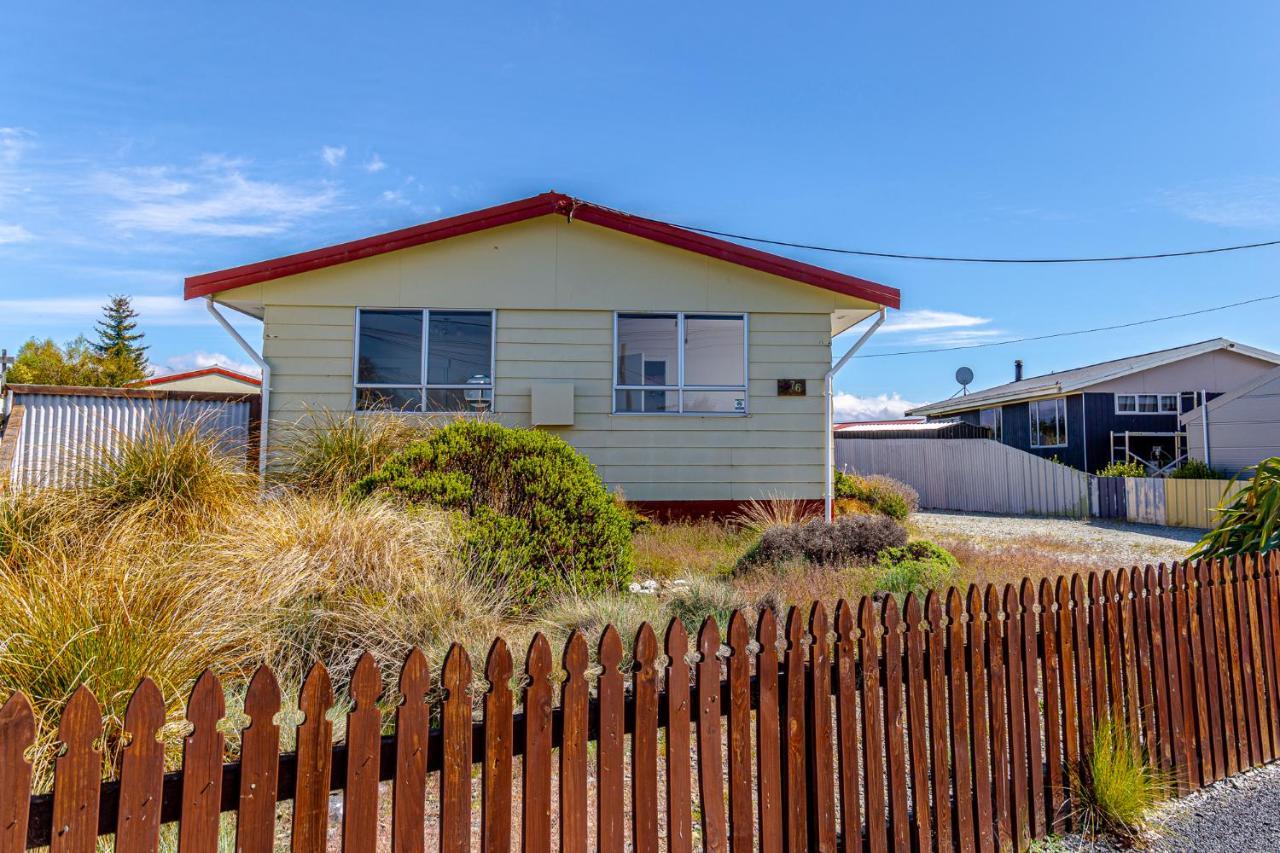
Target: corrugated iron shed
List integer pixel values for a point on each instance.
(52, 430)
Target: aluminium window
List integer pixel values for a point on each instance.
(680, 363)
(424, 360)
(1049, 423)
(1147, 404)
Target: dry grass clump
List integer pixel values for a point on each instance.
(681, 549)
(349, 578)
(104, 616)
(329, 451)
(757, 516)
(176, 475)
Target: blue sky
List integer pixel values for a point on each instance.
(144, 142)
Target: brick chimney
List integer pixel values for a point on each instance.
(1017, 370)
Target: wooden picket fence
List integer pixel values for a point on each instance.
(953, 723)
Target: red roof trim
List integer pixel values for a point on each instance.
(530, 208)
(204, 371)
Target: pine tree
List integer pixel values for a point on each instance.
(123, 359)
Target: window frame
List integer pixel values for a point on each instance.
(998, 430)
(423, 387)
(1177, 398)
(680, 387)
(1035, 434)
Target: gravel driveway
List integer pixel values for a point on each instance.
(1085, 540)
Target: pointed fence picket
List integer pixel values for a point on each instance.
(894, 726)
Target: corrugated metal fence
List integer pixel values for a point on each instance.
(981, 475)
(1169, 501)
(53, 430)
(973, 474)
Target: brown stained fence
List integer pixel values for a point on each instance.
(952, 723)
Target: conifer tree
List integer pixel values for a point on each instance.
(123, 359)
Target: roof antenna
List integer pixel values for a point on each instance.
(964, 376)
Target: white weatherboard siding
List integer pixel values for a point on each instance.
(555, 288)
(1244, 426)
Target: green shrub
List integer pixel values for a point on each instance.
(1115, 789)
(1123, 469)
(915, 567)
(1250, 523)
(849, 540)
(533, 511)
(1196, 469)
(883, 494)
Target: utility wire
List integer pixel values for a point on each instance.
(959, 260)
(1075, 332)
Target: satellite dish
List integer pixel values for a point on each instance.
(964, 376)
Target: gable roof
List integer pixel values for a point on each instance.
(545, 204)
(1068, 381)
(204, 371)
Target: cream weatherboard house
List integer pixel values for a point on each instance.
(689, 369)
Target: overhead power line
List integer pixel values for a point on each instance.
(1075, 332)
(964, 260)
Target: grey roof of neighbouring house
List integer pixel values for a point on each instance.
(1067, 381)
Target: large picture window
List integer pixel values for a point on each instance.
(1049, 423)
(676, 363)
(423, 360)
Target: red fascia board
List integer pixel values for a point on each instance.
(204, 371)
(530, 208)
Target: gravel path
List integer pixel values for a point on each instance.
(1090, 540)
(1236, 815)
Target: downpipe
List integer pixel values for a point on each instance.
(828, 492)
(266, 381)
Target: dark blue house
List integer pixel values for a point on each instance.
(1126, 409)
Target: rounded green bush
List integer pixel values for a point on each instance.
(917, 567)
(885, 495)
(535, 516)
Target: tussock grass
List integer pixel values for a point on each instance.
(349, 578)
(328, 451)
(178, 476)
(1115, 790)
(757, 516)
(167, 560)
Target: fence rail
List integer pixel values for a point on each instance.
(952, 723)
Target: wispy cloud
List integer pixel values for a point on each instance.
(198, 359)
(14, 142)
(214, 198)
(926, 327)
(333, 154)
(152, 310)
(14, 234)
(1250, 203)
(881, 407)
(375, 164)
(925, 319)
